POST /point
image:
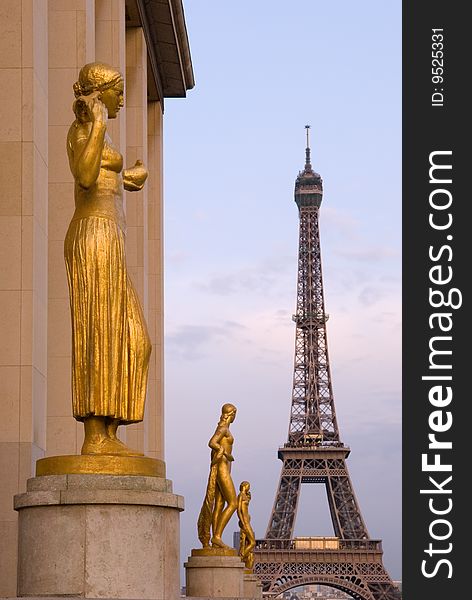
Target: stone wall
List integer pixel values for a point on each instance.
(43, 44)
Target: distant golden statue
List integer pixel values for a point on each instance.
(247, 539)
(220, 500)
(110, 342)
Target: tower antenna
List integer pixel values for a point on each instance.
(307, 151)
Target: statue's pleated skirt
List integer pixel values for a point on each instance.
(110, 342)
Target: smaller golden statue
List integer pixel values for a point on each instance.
(247, 539)
(220, 499)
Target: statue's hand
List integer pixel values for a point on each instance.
(98, 111)
(91, 109)
(229, 457)
(218, 456)
(135, 177)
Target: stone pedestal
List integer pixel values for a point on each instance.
(214, 575)
(99, 536)
(252, 586)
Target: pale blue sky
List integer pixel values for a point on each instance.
(233, 148)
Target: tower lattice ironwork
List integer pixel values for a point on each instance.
(314, 453)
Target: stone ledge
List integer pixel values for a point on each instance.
(97, 482)
(91, 598)
(146, 498)
(54, 490)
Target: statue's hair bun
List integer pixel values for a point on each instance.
(78, 89)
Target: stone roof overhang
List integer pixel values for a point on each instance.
(170, 72)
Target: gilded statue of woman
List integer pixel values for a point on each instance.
(110, 342)
(247, 539)
(220, 499)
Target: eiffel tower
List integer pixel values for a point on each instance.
(350, 561)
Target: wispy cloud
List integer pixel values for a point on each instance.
(369, 295)
(176, 258)
(372, 254)
(200, 216)
(259, 278)
(195, 342)
(340, 222)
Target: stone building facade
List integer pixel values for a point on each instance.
(43, 44)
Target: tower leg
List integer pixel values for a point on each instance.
(282, 520)
(345, 513)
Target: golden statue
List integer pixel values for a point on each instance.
(220, 499)
(110, 342)
(247, 539)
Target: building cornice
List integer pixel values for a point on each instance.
(170, 72)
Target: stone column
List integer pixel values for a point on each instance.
(252, 586)
(23, 259)
(214, 573)
(110, 48)
(71, 45)
(137, 202)
(99, 536)
(154, 440)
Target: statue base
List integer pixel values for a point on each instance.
(98, 536)
(252, 585)
(214, 551)
(103, 464)
(215, 575)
